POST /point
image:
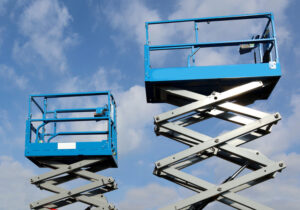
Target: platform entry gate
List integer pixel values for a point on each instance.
(222, 92)
(74, 142)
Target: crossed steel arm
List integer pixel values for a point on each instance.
(91, 194)
(195, 108)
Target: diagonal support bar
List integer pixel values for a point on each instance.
(90, 194)
(217, 141)
(197, 108)
(213, 99)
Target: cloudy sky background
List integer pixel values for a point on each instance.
(51, 46)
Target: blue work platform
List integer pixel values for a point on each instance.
(213, 80)
(44, 139)
(265, 66)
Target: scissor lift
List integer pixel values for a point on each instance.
(47, 129)
(221, 92)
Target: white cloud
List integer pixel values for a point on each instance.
(100, 80)
(283, 191)
(279, 193)
(286, 133)
(151, 196)
(135, 14)
(16, 190)
(5, 124)
(134, 115)
(133, 112)
(44, 25)
(14, 78)
(209, 8)
(130, 20)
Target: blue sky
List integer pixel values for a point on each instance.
(53, 46)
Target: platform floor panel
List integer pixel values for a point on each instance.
(70, 151)
(108, 160)
(206, 79)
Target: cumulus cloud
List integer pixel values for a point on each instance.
(279, 193)
(100, 80)
(133, 113)
(135, 14)
(207, 8)
(16, 190)
(285, 133)
(14, 78)
(43, 24)
(286, 183)
(5, 124)
(281, 144)
(135, 117)
(130, 20)
(151, 196)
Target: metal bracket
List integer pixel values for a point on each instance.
(90, 194)
(225, 106)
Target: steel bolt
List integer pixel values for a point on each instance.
(257, 153)
(215, 97)
(157, 118)
(219, 189)
(216, 140)
(276, 116)
(158, 164)
(280, 164)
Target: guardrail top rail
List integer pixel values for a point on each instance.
(265, 42)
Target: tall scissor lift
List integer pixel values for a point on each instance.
(222, 92)
(91, 147)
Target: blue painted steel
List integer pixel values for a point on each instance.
(56, 95)
(216, 18)
(210, 44)
(199, 75)
(42, 145)
(212, 72)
